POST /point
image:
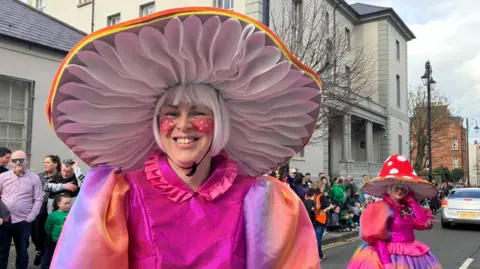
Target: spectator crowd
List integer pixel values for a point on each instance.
(34, 205)
(333, 205)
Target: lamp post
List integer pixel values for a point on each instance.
(430, 83)
(477, 130)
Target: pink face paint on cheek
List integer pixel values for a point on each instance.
(166, 125)
(204, 125)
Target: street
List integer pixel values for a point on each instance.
(452, 247)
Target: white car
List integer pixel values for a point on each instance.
(461, 206)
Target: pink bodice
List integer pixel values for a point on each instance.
(401, 228)
(161, 208)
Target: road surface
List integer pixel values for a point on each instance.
(454, 248)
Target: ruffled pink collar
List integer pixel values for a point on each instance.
(161, 176)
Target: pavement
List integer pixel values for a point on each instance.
(456, 248)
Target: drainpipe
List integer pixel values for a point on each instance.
(330, 129)
(93, 16)
(266, 12)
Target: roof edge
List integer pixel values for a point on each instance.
(394, 16)
(16, 39)
(52, 18)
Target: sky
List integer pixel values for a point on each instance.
(448, 34)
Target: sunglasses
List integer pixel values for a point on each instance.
(19, 160)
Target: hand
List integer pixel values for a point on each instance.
(1, 221)
(27, 220)
(71, 187)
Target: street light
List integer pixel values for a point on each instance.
(477, 129)
(430, 83)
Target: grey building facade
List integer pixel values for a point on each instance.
(32, 46)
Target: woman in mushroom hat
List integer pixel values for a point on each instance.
(387, 226)
(179, 113)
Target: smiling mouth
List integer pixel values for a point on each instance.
(185, 140)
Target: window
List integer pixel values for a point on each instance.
(399, 92)
(147, 9)
(398, 49)
(455, 143)
(226, 4)
(15, 113)
(327, 23)
(455, 162)
(347, 38)
(465, 193)
(41, 5)
(400, 144)
(113, 19)
(84, 2)
(348, 76)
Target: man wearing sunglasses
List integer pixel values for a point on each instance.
(21, 191)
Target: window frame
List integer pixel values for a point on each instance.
(455, 143)
(400, 144)
(27, 124)
(221, 4)
(399, 91)
(146, 6)
(348, 76)
(112, 17)
(348, 38)
(41, 5)
(397, 44)
(84, 2)
(456, 160)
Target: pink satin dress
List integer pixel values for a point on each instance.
(388, 230)
(151, 219)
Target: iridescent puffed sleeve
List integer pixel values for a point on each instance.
(279, 233)
(423, 217)
(95, 233)
(374, 222)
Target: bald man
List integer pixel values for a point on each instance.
(21, 191)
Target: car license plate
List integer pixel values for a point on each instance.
(468, 214)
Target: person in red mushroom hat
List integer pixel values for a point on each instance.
(387, 226)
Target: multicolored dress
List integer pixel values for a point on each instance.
(151, 219)
(388, 231)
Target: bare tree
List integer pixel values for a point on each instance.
(345, 68)
(441, 115)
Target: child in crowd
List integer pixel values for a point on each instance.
(54, 225)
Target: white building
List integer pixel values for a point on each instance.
(474, 163)
(32, 46)
(375, 127)
(88, 15)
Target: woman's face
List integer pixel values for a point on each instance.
(398, 192)
(48, 165)
(186, 132)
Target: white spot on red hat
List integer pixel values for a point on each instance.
(401, 158)
(390, 176)
(389, 163)
(408, 177)
(413, 173)
(394, 171)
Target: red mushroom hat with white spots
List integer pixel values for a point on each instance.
(398, 170)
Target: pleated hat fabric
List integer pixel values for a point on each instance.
(103, 97)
